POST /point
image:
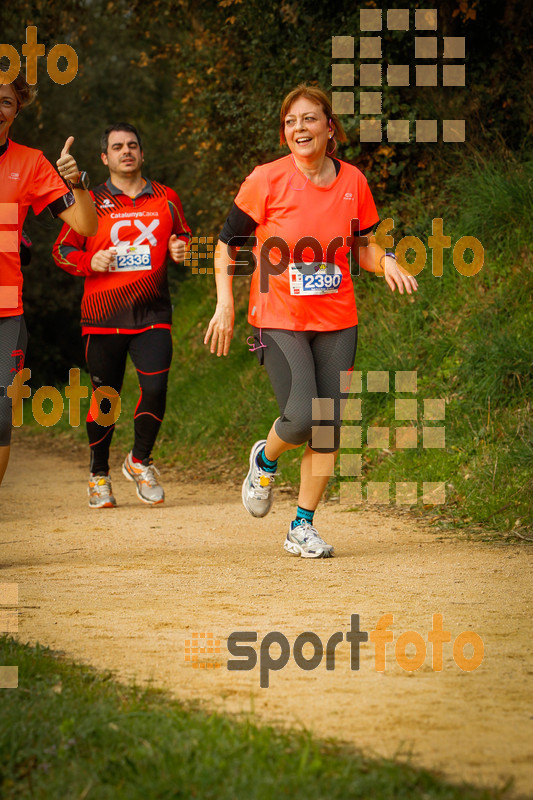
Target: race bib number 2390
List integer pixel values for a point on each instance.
(312, 279)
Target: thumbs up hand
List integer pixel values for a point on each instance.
(66, 147)
(66, 163)
(176, 248)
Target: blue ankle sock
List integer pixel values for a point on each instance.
(301, 515)
(265, 463)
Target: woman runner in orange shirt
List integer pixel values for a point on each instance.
(306, 211)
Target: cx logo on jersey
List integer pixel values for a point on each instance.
(146, 232)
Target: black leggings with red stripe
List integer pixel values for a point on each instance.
(13, 341)
(106, 353)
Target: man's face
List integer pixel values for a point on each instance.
(124, 156)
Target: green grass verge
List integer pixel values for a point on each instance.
(468, 338)
(70, 732)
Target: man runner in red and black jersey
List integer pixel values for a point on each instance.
(126, 305)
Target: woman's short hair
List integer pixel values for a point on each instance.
(24, 92)
(317, 96)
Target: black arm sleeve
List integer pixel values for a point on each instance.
(238, 227)
(57, 206)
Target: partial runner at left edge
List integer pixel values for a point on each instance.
(27, 179)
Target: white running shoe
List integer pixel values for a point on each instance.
(148, 488)
(303, 540)
(100, 492)
(257, 487)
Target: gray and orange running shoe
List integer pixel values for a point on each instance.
(148, 488)
(100, 492)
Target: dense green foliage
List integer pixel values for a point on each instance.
(68, 731)
(204, 80)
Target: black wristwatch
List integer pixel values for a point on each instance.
(82, 182)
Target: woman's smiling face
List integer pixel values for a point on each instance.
(306, 129)
(8, 110)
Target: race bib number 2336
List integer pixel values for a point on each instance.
(130, 258)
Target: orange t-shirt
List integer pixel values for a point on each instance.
(302, 278)
(311, 287)
(26, 179)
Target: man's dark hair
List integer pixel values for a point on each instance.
(119, 126)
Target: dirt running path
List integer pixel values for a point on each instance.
(124, 589)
